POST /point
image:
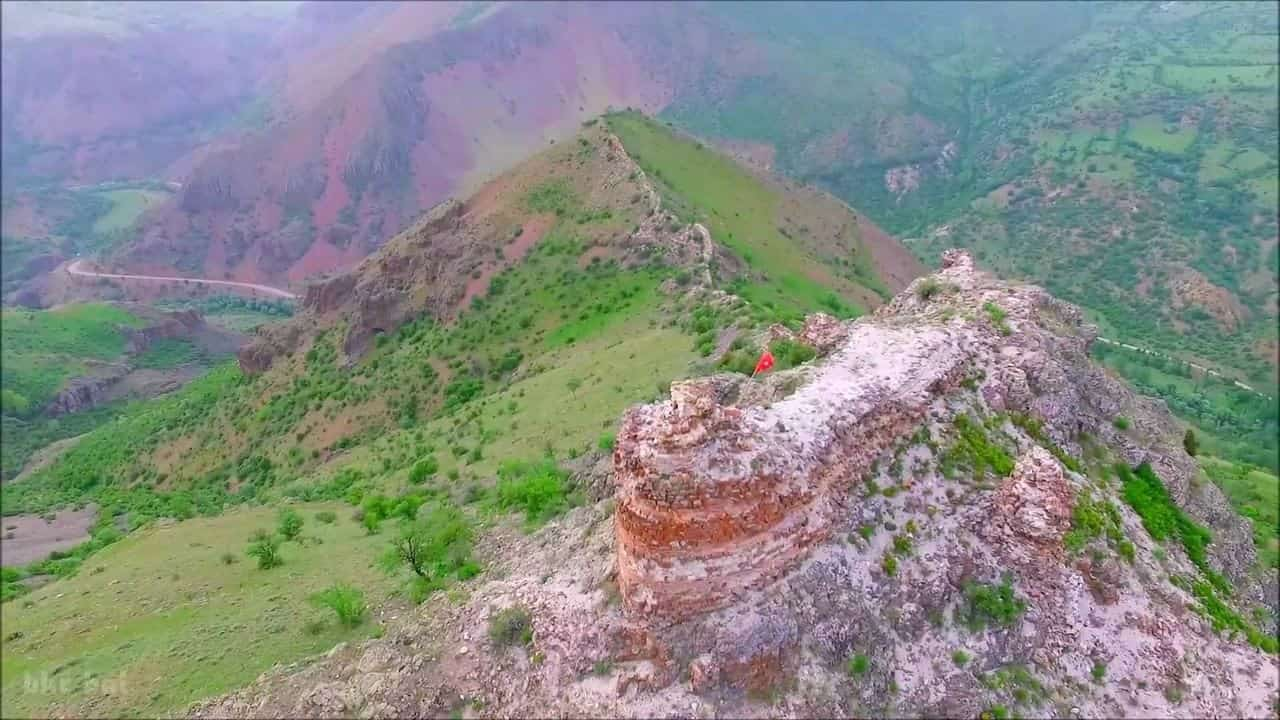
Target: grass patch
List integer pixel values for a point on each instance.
(1163, 520)
(742, 213)
(540, 490)
(168, 353)
(1255, 493)
(173, 622)
(1153, 132)
(43, 348)
(127, 205)
(991, 605)
(975, 451)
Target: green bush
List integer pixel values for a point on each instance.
(889, 564)
(424, 468)
(857, 665)
(974, 449)
(993, 605)
(541, 490)
(288, 523)
(1190, 443)
(606, 441)
(265, 548)
(435, 546)
(960, 658)
(1121, 423)
(346, 601)
(927, 288)
(511, 626)
(997, 316)
(790, 353)
(328, 517)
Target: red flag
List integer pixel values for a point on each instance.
(766, 362)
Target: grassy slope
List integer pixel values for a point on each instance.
(741, 211)
(42, 348)
(1086, 110)
(159, 620)
(126, 206)
(1256, 493)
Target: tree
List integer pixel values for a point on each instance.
(1190, 443)
(290, 523)
(265, 547)
(435, 545)
(573, 386)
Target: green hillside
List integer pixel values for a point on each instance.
(42, 348)
(1122, 154)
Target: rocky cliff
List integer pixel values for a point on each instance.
(927, 520)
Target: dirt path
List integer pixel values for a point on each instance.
(75, 269)
(1196, 366)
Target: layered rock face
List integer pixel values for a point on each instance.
(714, 499)
(717, 497)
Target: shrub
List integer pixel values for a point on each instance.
(902, 544)
(960, 658)
(997, 316)
(423, 469)
(927, 288)
(346, 601)
(1099, 672)
(328, 517)
(889, 564)
(857, 665)
(228, 558)
(991, 605)
(606, 442)
(289, 523)
(540, 490)
(788, 353)
(974, 449)
(511, 626)
(265, 548)
(1190, 443)
(1121, 423)
(434, 546)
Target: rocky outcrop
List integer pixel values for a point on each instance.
(714, 500)
(178, 324)
(83, 393)
(765, 531)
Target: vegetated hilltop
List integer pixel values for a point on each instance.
(942, 514)
(463, 333)
(458, 366)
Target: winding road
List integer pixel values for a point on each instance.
(75, 269)
(1201, 368)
